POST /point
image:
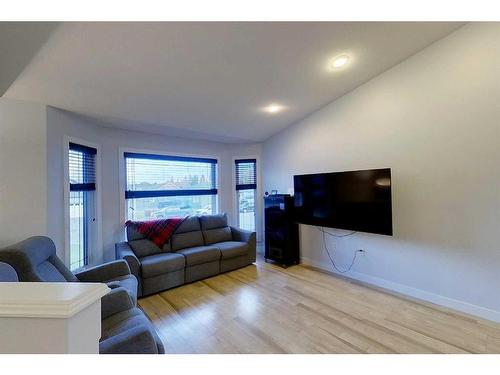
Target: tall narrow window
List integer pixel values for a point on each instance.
(159, 186)
(82, 204)
(246, 185)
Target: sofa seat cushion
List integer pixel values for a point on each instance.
(144, 247)
(160, 264)
(232, 249)
(200, 254)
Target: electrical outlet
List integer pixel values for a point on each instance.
(362, 252)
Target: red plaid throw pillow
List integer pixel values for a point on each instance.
(158, 231)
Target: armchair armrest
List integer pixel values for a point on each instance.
(248, 237)
(124, 251)
(136, 340)
(104, 272)
(116, 301)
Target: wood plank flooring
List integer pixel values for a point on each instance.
(266, 309)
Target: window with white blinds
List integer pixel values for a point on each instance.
(81, 167)
(161, 186)
(82, 203)
(246, 174)
(246, 185)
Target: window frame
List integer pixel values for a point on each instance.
(95, 255)
(162, 155)
(258, 193)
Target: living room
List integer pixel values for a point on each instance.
(250, 187)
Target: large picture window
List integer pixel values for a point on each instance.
(82, 204)
(159, 186)
(246, 185)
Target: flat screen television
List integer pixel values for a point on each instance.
(355, 200)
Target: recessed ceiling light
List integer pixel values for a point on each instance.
(338, 62)
(273, 108)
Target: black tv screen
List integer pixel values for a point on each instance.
(356, 200)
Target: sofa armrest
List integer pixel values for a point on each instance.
(242, 235)
(125, 252)
(248, 237)
(116, 301)
(136, 340)
(104, 272)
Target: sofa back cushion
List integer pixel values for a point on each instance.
(144, 247)
(215, 228)
(167, 248)
(133, 234)
(212, 236)
(141, 246)
(188, 234)
(189, 224)
(213, 221)
(187, 239)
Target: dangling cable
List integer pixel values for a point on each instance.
(322, 230)
(337, 235)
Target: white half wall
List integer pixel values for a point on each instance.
(435, 120)
(23, 170)
(62, 124)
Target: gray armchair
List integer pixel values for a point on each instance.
(35, 259)
(124, 327)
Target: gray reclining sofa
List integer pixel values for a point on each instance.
(202, 246)
(124, 327)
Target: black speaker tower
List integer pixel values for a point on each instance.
(281, 230)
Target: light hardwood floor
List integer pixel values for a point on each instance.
(266, 309)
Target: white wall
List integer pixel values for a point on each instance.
(435, 120)
(63, 124)
(23, 170)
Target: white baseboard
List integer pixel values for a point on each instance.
(468, 308)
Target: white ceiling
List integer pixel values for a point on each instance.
(209, 80)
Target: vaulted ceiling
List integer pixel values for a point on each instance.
(19, 42)
(209, 80)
